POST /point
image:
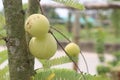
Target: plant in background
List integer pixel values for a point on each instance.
(103, 70)
(115, 18)
(112, 67)
(100, 37)
(116, 60)
(4, 72)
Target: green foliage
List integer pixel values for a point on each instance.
(117, 55)
(116, 61)
(25, 6)
(47, 73)
(4, 75)
(2, 26)
(101, 57)
(3, 56)
(101, 69)
(64, 74)
(57, 61)
(112, 67)
(59, 74)
(50, 13)
(2, 29)
(115, 18)
(71, 3)
(2, 21)
(100, 37)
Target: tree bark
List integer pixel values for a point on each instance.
(33, 7)
(19, 63)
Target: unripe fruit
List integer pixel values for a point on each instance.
(43, 48)
(37, 25)
(72, 49)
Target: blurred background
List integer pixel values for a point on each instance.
(96, 29)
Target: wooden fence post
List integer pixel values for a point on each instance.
(76, 30)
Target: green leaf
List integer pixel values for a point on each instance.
(3, 56)
(58, 74)
(4, 74)
(71, 3)
(57, 61)
(64, 74)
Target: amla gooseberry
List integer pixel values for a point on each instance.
(37, 25)
(72, 49)
(43, 48)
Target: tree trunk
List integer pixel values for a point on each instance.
(19, 63)
(33, 7)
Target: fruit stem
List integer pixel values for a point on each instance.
(45, 63)
(41, 9)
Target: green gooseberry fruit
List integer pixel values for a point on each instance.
(43, 48)
(37, 25)
(72, 49)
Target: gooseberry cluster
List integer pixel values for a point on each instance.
(42, 45)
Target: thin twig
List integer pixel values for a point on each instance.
(42, 12)
(68, 56)
(85, 61)
(61, 34)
